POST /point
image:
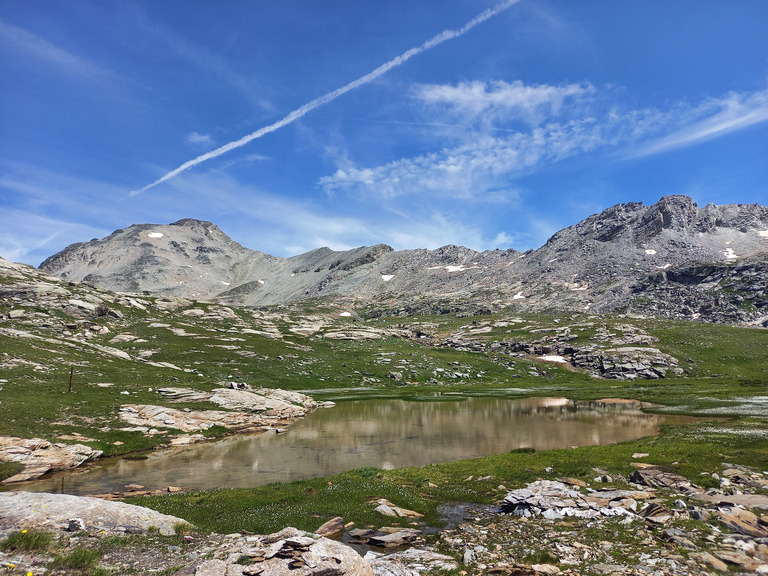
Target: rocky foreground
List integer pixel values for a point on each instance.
(652, 523)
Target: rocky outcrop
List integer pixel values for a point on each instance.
(278, 403)
(40, 456)
(729, 293)
(609, 359)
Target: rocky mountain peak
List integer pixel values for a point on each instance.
(670, 212)
(628, 257)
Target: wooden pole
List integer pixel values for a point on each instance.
(71, 373)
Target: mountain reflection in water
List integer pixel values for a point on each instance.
(380, 433)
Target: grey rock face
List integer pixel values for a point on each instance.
(670, 259)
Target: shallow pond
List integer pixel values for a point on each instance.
(380, 433)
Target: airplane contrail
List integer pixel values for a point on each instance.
(444, 36)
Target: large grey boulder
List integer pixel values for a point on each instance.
(24, 510)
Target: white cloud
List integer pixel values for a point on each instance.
(560, 122)
(503, 240)
(197, 138)
(476, 170)
(499, 100)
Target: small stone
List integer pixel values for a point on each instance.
(385, 510)
(545, 569)
(333, 526)
(75, 525)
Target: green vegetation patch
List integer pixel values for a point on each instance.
(27, 541)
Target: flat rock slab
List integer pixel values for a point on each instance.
(27, 510)
(747, 500)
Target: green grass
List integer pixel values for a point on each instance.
(83, 561)
(27, 541)
(8, 469)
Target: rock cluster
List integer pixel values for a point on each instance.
(289, 552)
(658, 524)
(555, 500)
(624, 354)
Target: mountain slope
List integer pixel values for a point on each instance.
(672, 259)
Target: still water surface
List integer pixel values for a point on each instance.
(381, 433)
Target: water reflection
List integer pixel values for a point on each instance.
(381, 433)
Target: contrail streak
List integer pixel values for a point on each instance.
(444, 36)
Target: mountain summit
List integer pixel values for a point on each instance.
(671, 259)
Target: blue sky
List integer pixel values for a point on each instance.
(518, 122)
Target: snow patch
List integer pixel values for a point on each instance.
(225, 283)
(345, 314)
(553, 358)
(730, 254)
(261, 282)
(155, 234)
(650, 251)
(667, 265)
(387, 277)
(763, 233)
(454, 267)
(577, 288)
(518, 296)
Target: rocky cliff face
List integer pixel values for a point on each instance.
(671, 259)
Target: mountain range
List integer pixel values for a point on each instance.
(671, 259)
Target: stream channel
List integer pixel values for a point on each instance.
(380, 433)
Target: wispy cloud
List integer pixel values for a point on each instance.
(527, 128)
(30, 238)
(331, 96)
(477, 170)
(63, 61)
(715, 118)
(212, 64)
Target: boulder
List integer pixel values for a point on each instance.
(57, 512)
(396, 539)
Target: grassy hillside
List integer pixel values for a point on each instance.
(120, 349)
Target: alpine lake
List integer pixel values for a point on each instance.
(380, 433)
